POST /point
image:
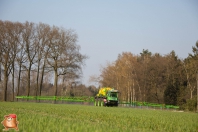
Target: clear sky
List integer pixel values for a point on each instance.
(107, 28)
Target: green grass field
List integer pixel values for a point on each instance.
(42, 117)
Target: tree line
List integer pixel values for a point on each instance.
(39, 59)
(156, 78)
(33, 55)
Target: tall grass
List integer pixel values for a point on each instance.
(41, 117)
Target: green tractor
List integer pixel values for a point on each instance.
(106, 97)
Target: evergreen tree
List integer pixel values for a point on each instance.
(171, 93)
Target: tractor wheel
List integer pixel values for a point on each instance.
(102, 103)
(99, 102)
(96, 102)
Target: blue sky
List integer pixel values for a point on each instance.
(108, 28)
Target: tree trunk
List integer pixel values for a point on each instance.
(191, 94)
(5, 84)
(42, 75)
(0, 71)
(41, 83)
(28, 84)
(37, 78)
(55, 83)
(13, 81)
(191, 91)
(128, 86)
(19, 80)
(133, 92)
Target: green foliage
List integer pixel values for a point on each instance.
(170, 94)
(181, 101)
(76, 118)
(191, 104)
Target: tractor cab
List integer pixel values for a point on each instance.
(112, 95)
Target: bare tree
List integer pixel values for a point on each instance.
(29, 40)
(20, 59)
(35, 47)
(63, 56)
(42, 40)
(6, 41)
(16, 34)
(190, 65)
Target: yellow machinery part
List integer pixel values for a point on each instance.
(103, 91)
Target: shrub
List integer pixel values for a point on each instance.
(192, 104)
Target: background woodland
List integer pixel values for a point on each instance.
(42, 60)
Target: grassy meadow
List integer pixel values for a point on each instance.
(43, 117)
